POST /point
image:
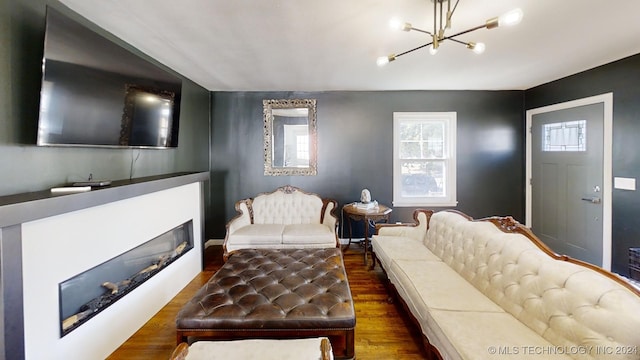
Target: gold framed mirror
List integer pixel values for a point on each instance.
(290, 137)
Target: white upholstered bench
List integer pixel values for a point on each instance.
(256, 349)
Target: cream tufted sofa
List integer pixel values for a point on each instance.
(285, 218)
(489, 289)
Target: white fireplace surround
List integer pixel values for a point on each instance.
(58, 247)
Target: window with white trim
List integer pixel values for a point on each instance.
(424, 159)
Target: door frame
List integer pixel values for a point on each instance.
(607, 172)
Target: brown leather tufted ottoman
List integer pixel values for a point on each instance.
(264, 293)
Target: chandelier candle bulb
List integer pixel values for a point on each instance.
(384, 60)
(477, 48)
(397, 24)
(513, 17)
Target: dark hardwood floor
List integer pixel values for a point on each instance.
(383, 329)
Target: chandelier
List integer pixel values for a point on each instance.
(442, 23)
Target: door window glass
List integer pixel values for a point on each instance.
(565, 136)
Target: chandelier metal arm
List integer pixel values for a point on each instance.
(451, 37)
(414, 49)
(455, 40)
(422, 31)
(435, 30)
(454, 8)
(441, 31)
(429, 44)
(465, 31)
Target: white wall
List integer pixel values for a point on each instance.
(59, 247)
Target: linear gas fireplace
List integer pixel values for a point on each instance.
(88, 293)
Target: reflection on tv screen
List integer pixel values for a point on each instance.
(97, 93)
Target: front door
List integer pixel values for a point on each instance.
(567, 181)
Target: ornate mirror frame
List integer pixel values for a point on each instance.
(269, 142)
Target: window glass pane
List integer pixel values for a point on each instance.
(565, 136)
(432, 131)
(433, 149)
(422, 140)
(423, 178)
(410, 150)
(410, 131)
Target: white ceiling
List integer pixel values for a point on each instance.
(322, 45)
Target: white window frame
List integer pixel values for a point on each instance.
(449, 120)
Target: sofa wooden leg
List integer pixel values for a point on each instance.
(373, 261)
(180, 338)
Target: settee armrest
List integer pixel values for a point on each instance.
(416, 230)
(243, 218)
(329, 217)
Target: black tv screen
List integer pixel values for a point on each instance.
(97, 93)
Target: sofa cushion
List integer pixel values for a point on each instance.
(258, 234)
(434, 285)
(475, 335)
(388, 248)
(308, 234)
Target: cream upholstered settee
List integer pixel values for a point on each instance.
(285, 218)
(489, 289)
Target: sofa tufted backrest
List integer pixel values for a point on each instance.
(566, 303)
(287, 206)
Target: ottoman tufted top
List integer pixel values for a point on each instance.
(274, 289)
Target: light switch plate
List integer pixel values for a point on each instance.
(624, 183)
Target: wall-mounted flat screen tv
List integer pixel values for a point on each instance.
(98, 93)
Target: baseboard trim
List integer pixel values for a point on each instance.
(212, 242)
(345, 241)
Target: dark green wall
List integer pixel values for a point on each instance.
(622, 78)
(25, 167)
(355, 148)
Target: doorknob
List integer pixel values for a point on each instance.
(593, 200)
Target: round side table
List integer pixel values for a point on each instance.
(374, 215)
